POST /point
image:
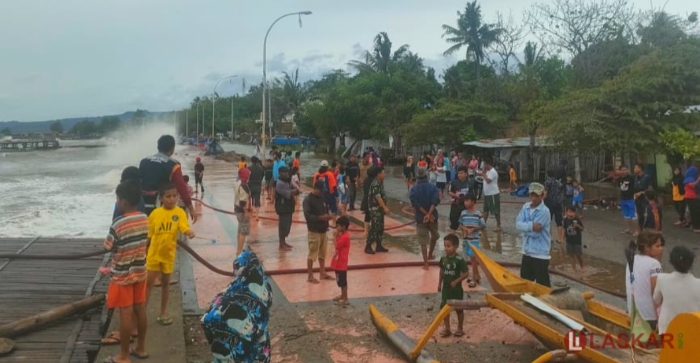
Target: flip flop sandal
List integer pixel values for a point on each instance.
(137, 355)
(459, 333)
(445, 333)
(112, 339)
(472, 284)
(165, 321)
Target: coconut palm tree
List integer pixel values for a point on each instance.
(472, 34)
(380, 59)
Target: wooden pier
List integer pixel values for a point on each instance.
(28, 145)
(29, 287)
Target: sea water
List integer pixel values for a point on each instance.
(69, 192)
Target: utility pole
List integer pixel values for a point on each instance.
(232, 117)
(187, 122)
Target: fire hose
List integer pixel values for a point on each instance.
(195, 255)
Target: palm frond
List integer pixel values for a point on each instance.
(453, 49)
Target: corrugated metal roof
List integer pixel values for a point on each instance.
(517, 142)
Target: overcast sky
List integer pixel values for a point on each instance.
(74, 58)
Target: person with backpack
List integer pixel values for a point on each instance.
(329, 187)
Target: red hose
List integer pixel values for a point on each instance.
(367, 266)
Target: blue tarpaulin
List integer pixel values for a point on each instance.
(522, 191)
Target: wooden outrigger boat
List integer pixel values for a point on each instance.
(601, 315)
(553, 333)
(411, 350)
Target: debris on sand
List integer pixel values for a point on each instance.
(231, 157)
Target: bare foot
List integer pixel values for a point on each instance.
(312, 280)
(288, 246)
(285, 248)
(341, 302)
(327, 277)
(425, 267)
(337, 298)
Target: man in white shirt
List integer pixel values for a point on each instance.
(492, 196)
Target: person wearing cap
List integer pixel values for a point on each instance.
(242, 207)
(257, 173)
(198, 175)
(533, 222)
(317, 218)
(285, 204)
(329, 187)
(425, 199)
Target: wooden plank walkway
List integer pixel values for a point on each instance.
(28, 287)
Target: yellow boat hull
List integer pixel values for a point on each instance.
(552, 333)
(604, 316)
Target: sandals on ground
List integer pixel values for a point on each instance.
(445, 333)
(112, 339)
(459, 333)
(168, 320)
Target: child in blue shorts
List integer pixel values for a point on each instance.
(471, 223)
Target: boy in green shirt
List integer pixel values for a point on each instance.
(453, 270)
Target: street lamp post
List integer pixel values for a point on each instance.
(213, 102)
(299, 13)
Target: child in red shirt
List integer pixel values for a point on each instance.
(339, 263)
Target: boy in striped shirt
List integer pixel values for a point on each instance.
(471, 223)
(127, 239)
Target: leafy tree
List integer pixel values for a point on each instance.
(683, 142)
(663, 29)
(6, 131)
(454, 123)
(460, 80)
(471, 34)
(628, 112)
(84, 128)
(57, 127)
(109, 124)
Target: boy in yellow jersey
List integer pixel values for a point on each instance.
(164, 224)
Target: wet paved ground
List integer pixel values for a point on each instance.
(307, 327)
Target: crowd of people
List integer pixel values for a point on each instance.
(147, 222)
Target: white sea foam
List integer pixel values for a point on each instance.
(69, 193)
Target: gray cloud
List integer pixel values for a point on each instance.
(89, 63)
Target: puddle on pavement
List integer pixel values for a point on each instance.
(598, 272)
